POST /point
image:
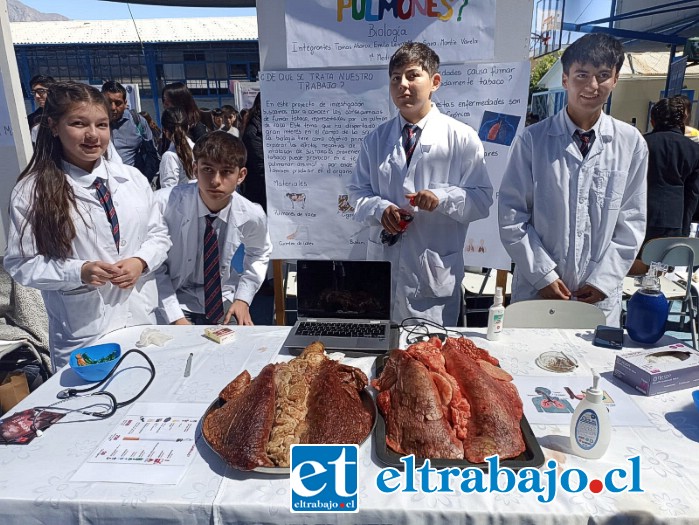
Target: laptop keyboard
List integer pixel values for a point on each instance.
(341, 330)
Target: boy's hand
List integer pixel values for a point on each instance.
(423, 199)
(391, 219)
(556, 290)
(589, 294)
(241, 311)
(130, 270)
(181, 321)
(97, 273)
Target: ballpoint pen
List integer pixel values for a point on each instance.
(188, 366)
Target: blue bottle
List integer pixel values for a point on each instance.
(648, 308)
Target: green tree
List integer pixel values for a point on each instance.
(540, 66)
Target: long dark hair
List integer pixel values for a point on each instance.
(174, 121)
(667, 114)
(180, 97)
(255, 111)
(52, 195)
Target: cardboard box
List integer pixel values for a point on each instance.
(654, 371)
(13, 388)
(220, 334)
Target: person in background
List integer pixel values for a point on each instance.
(572, 203)
(208, 222)
(673, 176)
(428, 166)
(207, 118)
(231, 120)
(689, 131)
(178, 95)
(131, 134)
(176, 165)
(39, 86)
(84, 230)
(254, 187)
(217, 117)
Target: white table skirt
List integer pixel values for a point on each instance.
(35, 486)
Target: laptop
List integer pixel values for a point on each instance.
(344, 304)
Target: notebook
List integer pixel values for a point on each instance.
(344, 304)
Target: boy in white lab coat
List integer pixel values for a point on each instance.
(427, 166)
(208, 222)
(572, 204)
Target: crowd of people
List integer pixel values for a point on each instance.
(581, 194)
(104, 249)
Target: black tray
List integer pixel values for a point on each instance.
(367, 400)
(532, 456)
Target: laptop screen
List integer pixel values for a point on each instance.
(344, 289)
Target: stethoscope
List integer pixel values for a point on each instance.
(108, 405)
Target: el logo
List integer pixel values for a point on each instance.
(323, 478)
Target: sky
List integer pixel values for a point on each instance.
(101, 10)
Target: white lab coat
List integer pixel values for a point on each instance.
(582, 221)
(79, 314)
(427, 264)
(246, 224)
(172, 170)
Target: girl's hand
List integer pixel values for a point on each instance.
(129, 271)
(97, 273)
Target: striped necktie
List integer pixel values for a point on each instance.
(213, 301)
(410, 136)
(585, 140)
(105, 199)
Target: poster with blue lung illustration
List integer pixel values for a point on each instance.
(314, 123)
(336, 33)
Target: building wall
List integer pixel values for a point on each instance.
(631, 99)
(206, 67)
(633, 96)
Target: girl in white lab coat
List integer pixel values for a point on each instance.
(93, 262)
(177, 163)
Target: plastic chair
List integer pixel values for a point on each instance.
(677, 251)
(548, 313)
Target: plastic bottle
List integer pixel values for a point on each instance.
(590, 428)
(496, 316)
(647, 309)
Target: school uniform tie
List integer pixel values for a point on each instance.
(585, 140)
(105, 199)
(213, 301)
(410, 136)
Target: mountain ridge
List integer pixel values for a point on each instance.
(19, 12)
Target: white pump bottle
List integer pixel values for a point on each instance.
(590, 429)
(496, 316)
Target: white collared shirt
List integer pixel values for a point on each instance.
(191, 296)
(79, 314)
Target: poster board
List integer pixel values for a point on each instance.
(306, 234)
(351, 33)
(314, 123)
(15, 142)
(244, 93)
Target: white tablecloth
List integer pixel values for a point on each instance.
(35, 486)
